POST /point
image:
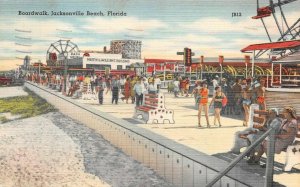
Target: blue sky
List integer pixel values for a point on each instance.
(163, 26)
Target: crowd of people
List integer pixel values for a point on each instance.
(120, 86)
(229, 97)
(285, 126)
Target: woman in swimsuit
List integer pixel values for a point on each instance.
(217, 101)
(246, 93)
(203, 93)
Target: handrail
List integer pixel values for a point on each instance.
(270, 159)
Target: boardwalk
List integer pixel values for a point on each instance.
(213, 141)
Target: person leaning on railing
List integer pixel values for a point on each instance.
(284, 137)
(246, 137)
(258, 130)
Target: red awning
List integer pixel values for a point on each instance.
(159, 61)
(274, 45)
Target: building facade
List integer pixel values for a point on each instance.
(101, 61)
(129, 49)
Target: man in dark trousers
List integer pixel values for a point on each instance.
(115, 87)
(138, 93)
(100, 89)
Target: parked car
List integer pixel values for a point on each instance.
(5, 80)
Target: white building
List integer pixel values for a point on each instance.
(99, 61)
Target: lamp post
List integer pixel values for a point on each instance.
(65, 73)
(190, 72)
(246, 74)
(272, 76)
(247, 61)
(164, 71)
(221, 61)
(201, 72)
(39, 69)
(221, 71)
(253, 57)
(201, 66)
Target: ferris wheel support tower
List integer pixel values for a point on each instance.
(286, 32)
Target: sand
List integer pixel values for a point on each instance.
(54, 150)
(12, 91)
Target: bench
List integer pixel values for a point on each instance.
(153, 109)
(78, 93)
(292, 151)
(242, 138)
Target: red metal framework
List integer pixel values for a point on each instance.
(286, 31)
(274, 45)
(263, 12)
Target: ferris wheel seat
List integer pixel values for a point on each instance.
(263, 12)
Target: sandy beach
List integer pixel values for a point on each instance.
(12, 91)
(54, 150)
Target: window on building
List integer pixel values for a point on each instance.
(103, 67)
(98, 66)
(119, 67)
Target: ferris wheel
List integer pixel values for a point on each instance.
(287, 32)
(59, 51)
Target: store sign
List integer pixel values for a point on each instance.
(107, 60)
(73, 55)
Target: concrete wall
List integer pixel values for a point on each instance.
(178, 164)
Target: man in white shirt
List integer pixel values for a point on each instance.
(176, 87)
(151, 88)
(138, 89)
(157, 83)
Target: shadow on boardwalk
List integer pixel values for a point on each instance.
(256, 169)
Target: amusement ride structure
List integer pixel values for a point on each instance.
(284, 50)
(287, 32)
(284, 55)
(59, 51)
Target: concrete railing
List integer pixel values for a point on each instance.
(177, 163)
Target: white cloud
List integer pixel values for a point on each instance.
(188, 40)
(167, 48)
(42, 28)
(122, 25)
(246, 26)
(218, 25)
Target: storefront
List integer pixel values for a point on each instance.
(287, 74)
(102, 61)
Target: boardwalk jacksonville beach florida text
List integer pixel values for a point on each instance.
(72, 13)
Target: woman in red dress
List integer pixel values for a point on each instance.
(126, 90)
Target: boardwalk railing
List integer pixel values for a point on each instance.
(270, 158)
